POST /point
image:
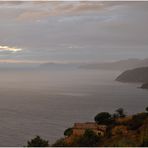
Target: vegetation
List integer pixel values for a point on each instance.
(37, 142)
(120, 112)
(145, 141)
(146, 108)
(137, 121)
(123, 142)
(122, 131)
(103, 118)
(68, 132)
(60, 143)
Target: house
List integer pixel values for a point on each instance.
(79, 128)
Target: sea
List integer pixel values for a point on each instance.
(46, 102)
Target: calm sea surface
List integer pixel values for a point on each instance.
(45, 103)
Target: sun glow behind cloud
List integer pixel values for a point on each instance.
(11, 49)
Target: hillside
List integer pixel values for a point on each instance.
(119, 131)
(134, 75)
(144, 86)
(117, 65)
(58, 66)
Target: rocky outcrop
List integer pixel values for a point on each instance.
(144, 86)
(134, 75)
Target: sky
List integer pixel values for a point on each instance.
(72, 32)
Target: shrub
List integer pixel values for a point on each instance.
(115, 116)
(145, 141)
(120, 112)
(60, 143)
(137, 121)
(68, 132)
(124, 142)
(37, 142)
(89, 139)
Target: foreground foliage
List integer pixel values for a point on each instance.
(37, 142)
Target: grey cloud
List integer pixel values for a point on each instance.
(111, 31)
(59, 9)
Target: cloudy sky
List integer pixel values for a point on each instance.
(36, 32)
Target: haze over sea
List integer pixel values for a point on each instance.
(47, 102)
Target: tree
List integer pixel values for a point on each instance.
(68, 132)
(103, 118)
(146, 108)
(120, 112)
(37, 142)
